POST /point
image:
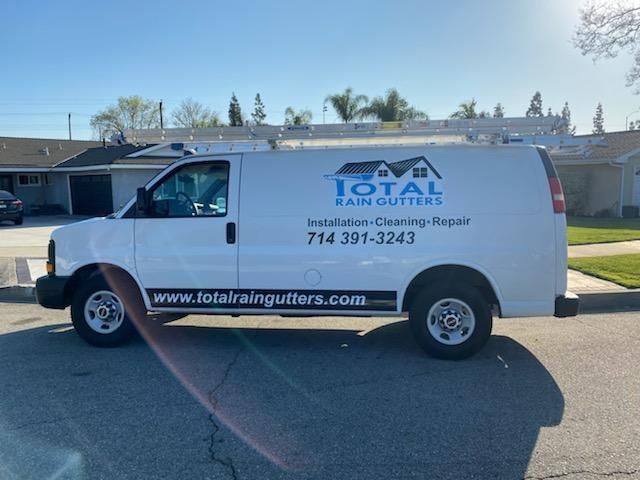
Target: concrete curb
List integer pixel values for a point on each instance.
(18, 294)
(590, 302)
(600, 302)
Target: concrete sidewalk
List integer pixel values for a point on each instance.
(8, 272)
(604, 249)
(579, 283)
(21, 271)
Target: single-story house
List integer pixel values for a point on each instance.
(102, 179)
(25, 165)
(601, 180)
(76, 177)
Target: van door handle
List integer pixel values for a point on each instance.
(231, 232)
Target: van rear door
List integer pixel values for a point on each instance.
(186, 251)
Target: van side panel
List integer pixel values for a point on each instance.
(369, 220)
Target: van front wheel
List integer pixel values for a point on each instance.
(101, 311)
(451, 322)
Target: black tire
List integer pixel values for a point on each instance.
(18, 221)
(432, 296)
(126, 291)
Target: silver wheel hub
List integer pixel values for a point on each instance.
(451, 321)
(104, 312)
(107, 311)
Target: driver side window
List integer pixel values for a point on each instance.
(196, 190)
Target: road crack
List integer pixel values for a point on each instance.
(214, 441)
(585, 472)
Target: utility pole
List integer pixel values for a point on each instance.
(69, 118)
(161, 122)
(324, 110)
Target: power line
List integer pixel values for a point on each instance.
(37, 114)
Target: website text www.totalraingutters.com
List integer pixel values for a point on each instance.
(255, 299)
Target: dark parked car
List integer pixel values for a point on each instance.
(10, 208)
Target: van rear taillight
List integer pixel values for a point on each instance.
(557, 196)
(555, 187)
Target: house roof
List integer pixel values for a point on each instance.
(145, 160)
(618, 145)
(39, 152)
(103, 155)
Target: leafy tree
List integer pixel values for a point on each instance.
(466, 110)
(632, 125)
(598, 121)
(535, 107)
(235, 113)
(566, 115)
(347, 105)
(193, 114)
(608, 27)
(392, 107)
(301, 117)
(258, 114)
(129, 112)
(498, 111)
(549, 112)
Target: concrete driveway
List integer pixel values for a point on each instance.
(318, 398)
(32, 237)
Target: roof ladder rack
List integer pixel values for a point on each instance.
(545, 131)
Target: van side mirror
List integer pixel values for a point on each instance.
(143, 200)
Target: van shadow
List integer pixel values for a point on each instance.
(323, 403)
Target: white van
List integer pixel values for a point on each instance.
(449, 234)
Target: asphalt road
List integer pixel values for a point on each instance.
(318, 398)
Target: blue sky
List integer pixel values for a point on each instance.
(79, 56)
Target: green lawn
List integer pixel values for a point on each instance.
(621, 269)
(584, 230)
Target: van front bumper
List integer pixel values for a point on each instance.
(50, 291)
(567, 305)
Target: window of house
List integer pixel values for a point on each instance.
(383, 172)
(28, 180)
(421, 172)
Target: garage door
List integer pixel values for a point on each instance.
(91, 195)
(6, 183)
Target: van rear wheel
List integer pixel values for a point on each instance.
(451, 322)
(102, 311)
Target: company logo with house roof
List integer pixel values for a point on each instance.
(411, 182)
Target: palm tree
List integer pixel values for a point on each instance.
(392, 108)
(466, 110)
(301, 117)
(347, 105)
